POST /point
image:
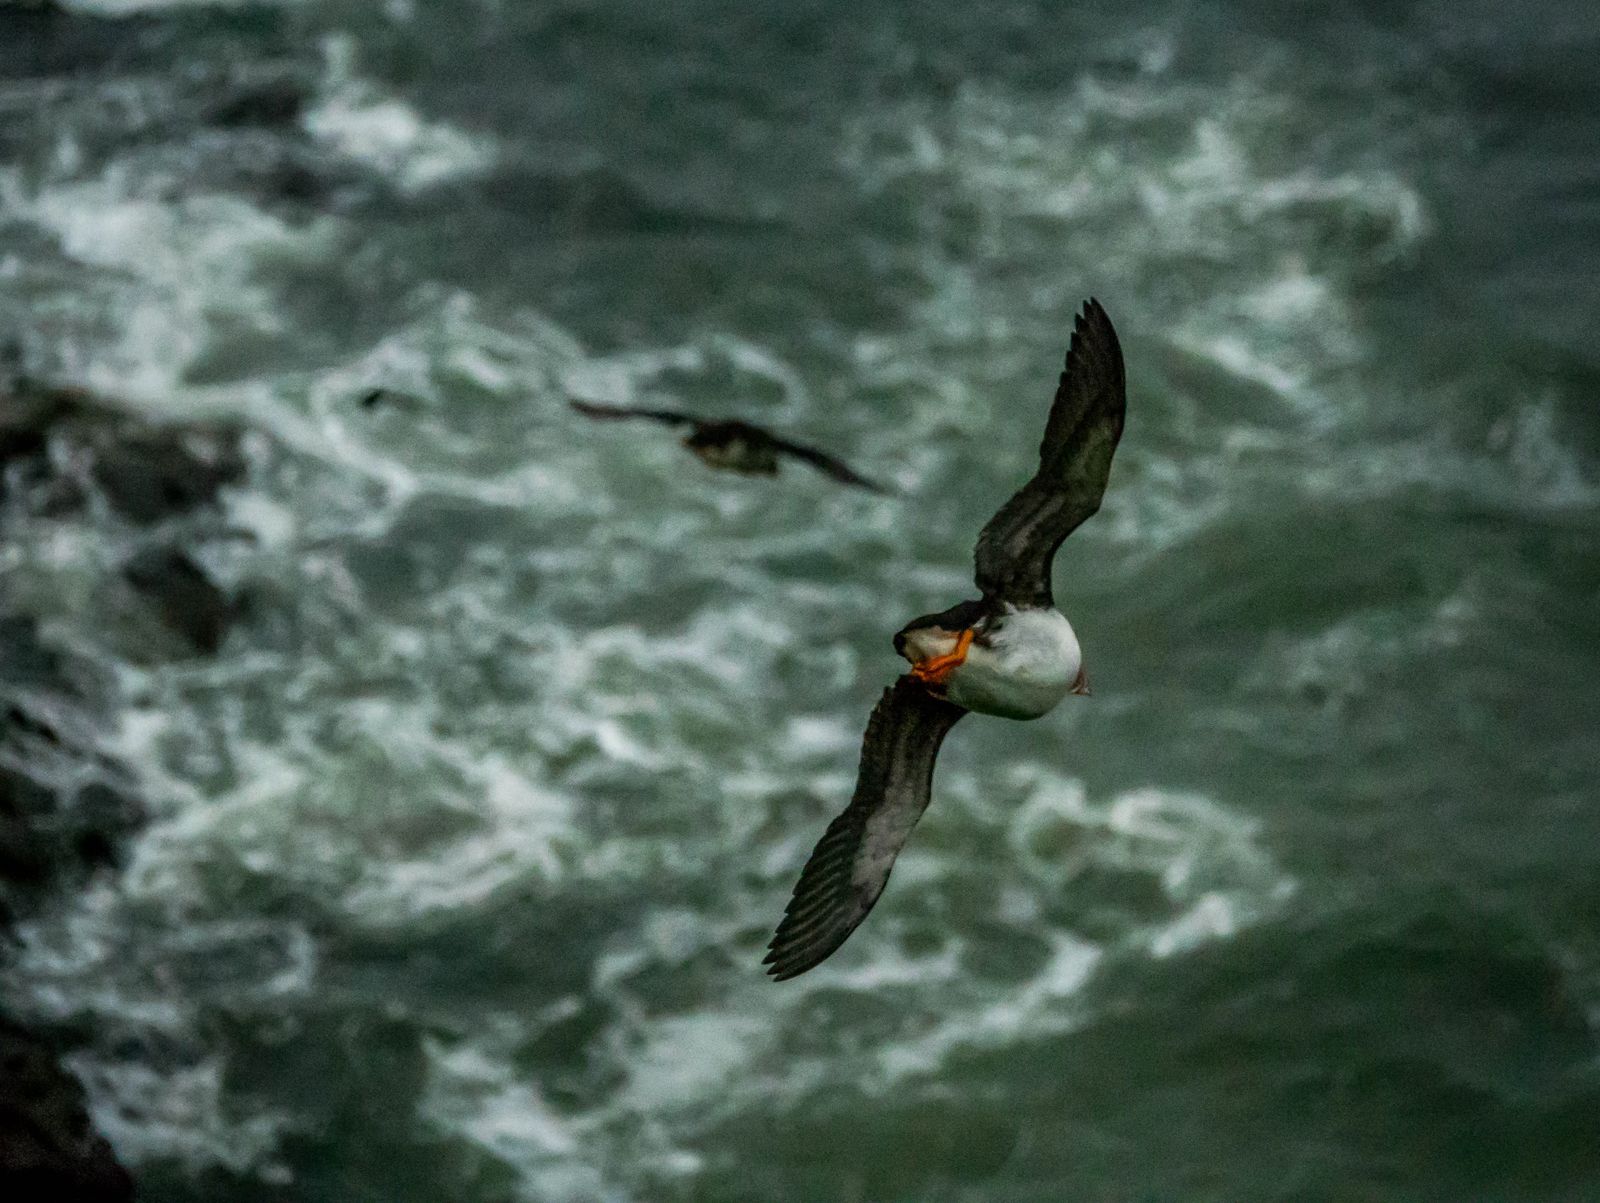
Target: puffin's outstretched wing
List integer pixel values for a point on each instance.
(826, 464)
(1017, 546)
(850, 864)
(611, 413)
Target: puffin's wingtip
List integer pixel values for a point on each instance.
(774, 968)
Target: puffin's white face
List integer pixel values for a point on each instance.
(928, 643)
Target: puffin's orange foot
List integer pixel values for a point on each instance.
(935, 671)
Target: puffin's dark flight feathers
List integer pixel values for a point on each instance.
(1016, 548)
(826, 464)
(753, 446)
(850, 864)
(612, 413)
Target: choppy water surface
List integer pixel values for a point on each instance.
(466, 846)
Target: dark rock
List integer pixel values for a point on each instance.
(26, 725)
(61, 817)
(50, 834)
(102, 819)
(27, 414)
(26, 661)
(156, 473)
(296, 183)
(48, 1151)
(25, 805)
(265, 102)
(59, 821)
(31, 15)
(282, 173)
(187, 600)
(146, 472)
(45, 37)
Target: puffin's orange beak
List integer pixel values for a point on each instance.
(936, 670)
(1080, 683)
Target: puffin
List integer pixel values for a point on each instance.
(1010, 653)
(734, 446)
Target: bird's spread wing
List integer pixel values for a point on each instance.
(611, 413)
(1017, 546)
(850, 864)
(826, 464)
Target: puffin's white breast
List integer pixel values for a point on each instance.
(1030, 664)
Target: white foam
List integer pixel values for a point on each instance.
(185, 1115)
(1220, 203)
(1041, 1006)
(1542, 466)
(1203, 855)
(358, 121)
(1214, 916)
(473, 1095)
(690, 1059)
(174, 271)
(518, 837)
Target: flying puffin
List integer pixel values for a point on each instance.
(732, 445)
(1010, 653)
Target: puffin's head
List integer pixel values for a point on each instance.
(922, 641)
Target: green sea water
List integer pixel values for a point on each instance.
(465, 848)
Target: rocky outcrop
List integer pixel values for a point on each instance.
(66, 810)
(182, 595)
(61, 815)
(267, 100)
(146, 473)
(61, 449)
(48, 1149)
(64, 815)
